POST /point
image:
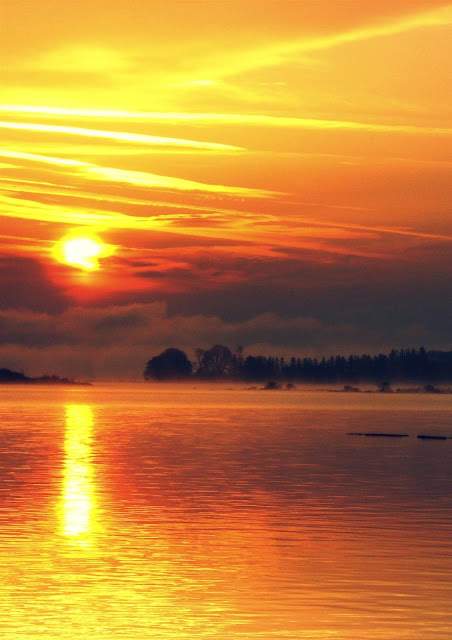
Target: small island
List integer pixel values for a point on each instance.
(8, 376)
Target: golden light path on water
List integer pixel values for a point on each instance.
(78, 483)
(129, 587)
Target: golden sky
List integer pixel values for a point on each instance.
(280, 163)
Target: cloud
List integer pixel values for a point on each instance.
(24, 284)
(289, 49)
(244, 120)
(139, 324)
(143, 179)
(120, 136)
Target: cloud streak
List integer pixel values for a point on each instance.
(248, 120)
(280, 53)
(143, 179)
(119, 136)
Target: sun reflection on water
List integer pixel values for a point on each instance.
(78, 485)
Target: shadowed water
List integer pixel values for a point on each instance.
(173, 513)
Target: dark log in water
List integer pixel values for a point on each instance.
(434, 438)
(378, 435)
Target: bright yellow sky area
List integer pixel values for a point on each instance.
(201, 139)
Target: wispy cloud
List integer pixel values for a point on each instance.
(208, 221)
(120, 136)
(153, 181)
(287, 50)
(142, 179)
(246, 120)
(249, 234)
(34, 157)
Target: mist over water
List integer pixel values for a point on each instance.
(152, 511)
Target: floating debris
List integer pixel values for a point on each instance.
(435, 437)
(378, 435)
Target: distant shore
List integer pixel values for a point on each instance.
(404, 366)
(7, 376)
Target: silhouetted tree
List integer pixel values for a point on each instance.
(215, 362)
(259, 368)
(171, 364)
(238, 360)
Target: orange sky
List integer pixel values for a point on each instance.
(244, 160)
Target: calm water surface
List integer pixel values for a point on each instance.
(174, 513)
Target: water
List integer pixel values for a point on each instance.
(173, 513)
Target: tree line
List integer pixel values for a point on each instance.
(220, 363)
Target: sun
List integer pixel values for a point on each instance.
(82, 252)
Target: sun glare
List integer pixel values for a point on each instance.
(82, 252)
